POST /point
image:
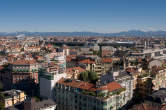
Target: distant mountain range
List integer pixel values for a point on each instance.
(131, 33)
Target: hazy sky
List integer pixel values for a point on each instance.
(82, 15)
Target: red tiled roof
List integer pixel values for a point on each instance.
(139, 60)
(70, 57)
(111, 86)
(106, 60)
(22, 62)
(71, 70)
(49, 45)
(87, 61)
(80, 84)
(89, 86)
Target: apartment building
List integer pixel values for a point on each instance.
(48, 79)
(153, 53)
(87, 96)
(61, 62)
(19, 74)
(22, 69)
(74, 72)
(158, 75)
(13, 97)
(126, 81)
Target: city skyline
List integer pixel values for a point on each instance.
(106, 16)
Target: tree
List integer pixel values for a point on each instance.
(22, 49)
(89, 76)
(1, 102)
(2, 105)
(84, 76)
(92, 76)
(37, 99)
(95, 52)
(1, 86)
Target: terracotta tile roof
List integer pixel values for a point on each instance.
(89, 86)
(77, 84)
(33, 47)
(71, 70)
(87, 61)
(23, 62)
(112, 86)
(70, 57)
(106, 60)
(139, 60)
(49, 45)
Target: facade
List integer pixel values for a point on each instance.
(24, 68)
(19, 74)
(158, 77)
(55, 70)
(107, 51)
(93, 65)
(32, 49)
(87, 64)
(61, 62)
(98, 67)
(97, 64)
(13, 97)
(126, 81)
(66, 50)
(142, 86)
(107, 63)
(87, 96)
(134, 73)
(47, 83)
(74, 72)
(48, 79)
(153, 53)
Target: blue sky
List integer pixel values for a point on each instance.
(82, 15)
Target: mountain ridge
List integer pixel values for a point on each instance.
(130, 33)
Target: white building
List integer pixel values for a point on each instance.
(55, 70)
(51, 76)
(47, 83)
